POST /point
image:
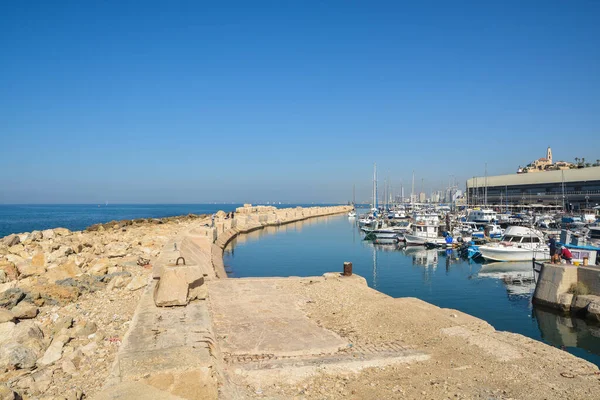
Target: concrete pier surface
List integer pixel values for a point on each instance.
(319, 337)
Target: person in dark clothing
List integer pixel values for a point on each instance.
(552, 246)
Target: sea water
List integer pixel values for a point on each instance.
(498, 293)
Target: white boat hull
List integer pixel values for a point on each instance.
(512, 253)
(415, 240)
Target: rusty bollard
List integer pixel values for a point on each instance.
(347, 268)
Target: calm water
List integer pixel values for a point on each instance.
(26, 218)
(321, 245)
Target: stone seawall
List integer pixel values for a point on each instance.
(569, 288)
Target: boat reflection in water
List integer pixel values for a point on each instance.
(568, 331)
(516, 276)
(421, 256)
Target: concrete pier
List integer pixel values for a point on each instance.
(556, 289)
(321, 337)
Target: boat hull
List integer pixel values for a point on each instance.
(415, 240)
(499, 253)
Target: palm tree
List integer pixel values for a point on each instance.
(576, 160)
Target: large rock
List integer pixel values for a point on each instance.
(6, 316)
(20, 345)
(63, 271)
(14, 355)
(58, 294)
(24, 310)
(118, 249)
(35, 236)
(119, 282)
(100, 266)
(594, 311)
(11, 297)
(26, 269)
(62, 231)
(175, 284)
(6, 332)
(8, 394)
(53, 352)
(11, 240)
(48, 234)
(59, 254)
(137, 283)
(10, 269)
(84, 283)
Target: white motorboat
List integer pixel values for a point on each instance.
(367, 220)
(425, 229)
(485, 216)
(422, 234)
(518, 243)
(352, 214)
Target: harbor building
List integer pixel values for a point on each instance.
(572, 189)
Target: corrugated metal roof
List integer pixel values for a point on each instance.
(536, 178)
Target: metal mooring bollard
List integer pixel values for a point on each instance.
(347, 268)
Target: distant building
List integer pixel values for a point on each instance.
(581, 188)
(422, 197)
(545, 164)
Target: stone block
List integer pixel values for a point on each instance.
(175, 284)
(593, 311)
(206, 231)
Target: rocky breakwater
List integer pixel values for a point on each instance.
(66, 299)
(170, 349)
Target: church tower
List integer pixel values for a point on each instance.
(549, 155)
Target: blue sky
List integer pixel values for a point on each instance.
(179, 102)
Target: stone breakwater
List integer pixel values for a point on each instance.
(67, 298)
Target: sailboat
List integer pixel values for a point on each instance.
(352, 213)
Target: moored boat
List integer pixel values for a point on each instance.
(518, 243)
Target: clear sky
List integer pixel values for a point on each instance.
(251, 101)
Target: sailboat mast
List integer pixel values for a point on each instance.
(412, 192)
(375, 185)
(485, 193)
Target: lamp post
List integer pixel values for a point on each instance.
(587, 201)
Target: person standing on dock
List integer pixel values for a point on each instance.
(552, 246)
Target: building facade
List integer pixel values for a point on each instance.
(572, 188)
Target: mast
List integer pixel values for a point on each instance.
(412, 193)
(354, 194)
(375, 185)
(485, 192)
